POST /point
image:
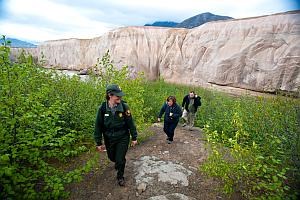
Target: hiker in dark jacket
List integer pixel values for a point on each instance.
(172, 113)
(190, 105)
(115, 124)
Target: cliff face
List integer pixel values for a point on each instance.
(261, 53)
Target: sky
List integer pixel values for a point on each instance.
(41, 20)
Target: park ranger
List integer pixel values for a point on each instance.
(115, 123)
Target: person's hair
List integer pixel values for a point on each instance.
(192, 91)
(107, 96)
(171, 98)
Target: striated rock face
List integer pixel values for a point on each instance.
(261, 53)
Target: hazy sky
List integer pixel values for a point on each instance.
(40, 20)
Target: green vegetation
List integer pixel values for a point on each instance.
(255, 144)
(254, 141)
(47, 119)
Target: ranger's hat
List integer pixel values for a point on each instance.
(115, 90)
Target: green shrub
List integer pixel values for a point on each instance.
(259, 155)
(47, 118)
(255, 141)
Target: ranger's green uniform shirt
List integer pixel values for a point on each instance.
(114, 124)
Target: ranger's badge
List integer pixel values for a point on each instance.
(128, 113)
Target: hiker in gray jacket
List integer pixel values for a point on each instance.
(190, 104)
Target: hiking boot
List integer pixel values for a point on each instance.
(169, 142)
(121, 181)
(183, 125)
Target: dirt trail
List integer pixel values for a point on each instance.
(155, 170)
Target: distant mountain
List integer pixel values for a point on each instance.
(19, 43)
(201, 19)
(163, 24)
(191, 22)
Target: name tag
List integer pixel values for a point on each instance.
(106, 115)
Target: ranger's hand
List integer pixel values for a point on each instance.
(133, 143)
(101, 148)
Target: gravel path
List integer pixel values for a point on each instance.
(155, 170)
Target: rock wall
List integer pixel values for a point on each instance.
(261, 53)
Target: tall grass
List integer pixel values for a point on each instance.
(255, 140)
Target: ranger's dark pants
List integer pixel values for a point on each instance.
(117, 147)
(169, 128)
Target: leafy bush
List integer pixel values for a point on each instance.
(39, 127)
(132, 84)
(255, 141)
(259, 155)
(46, 118)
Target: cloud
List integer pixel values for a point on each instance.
(45, 20)
(39, 33)
(119, 11)
(54, 19)
(28, 32)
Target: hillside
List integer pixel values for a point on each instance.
(19, 43)
(192, 21)
(200, 19)
(163, 24)
(260, 54)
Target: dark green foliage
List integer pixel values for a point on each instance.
(255, 144)
(254, 141)
(46, 118)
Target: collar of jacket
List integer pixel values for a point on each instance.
(119, 107)
(172, 106)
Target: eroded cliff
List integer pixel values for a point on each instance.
(261, 54)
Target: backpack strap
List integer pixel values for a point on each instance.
(103, 109)
(125, 114)
(124, 106)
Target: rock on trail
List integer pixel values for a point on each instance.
(155, 170)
